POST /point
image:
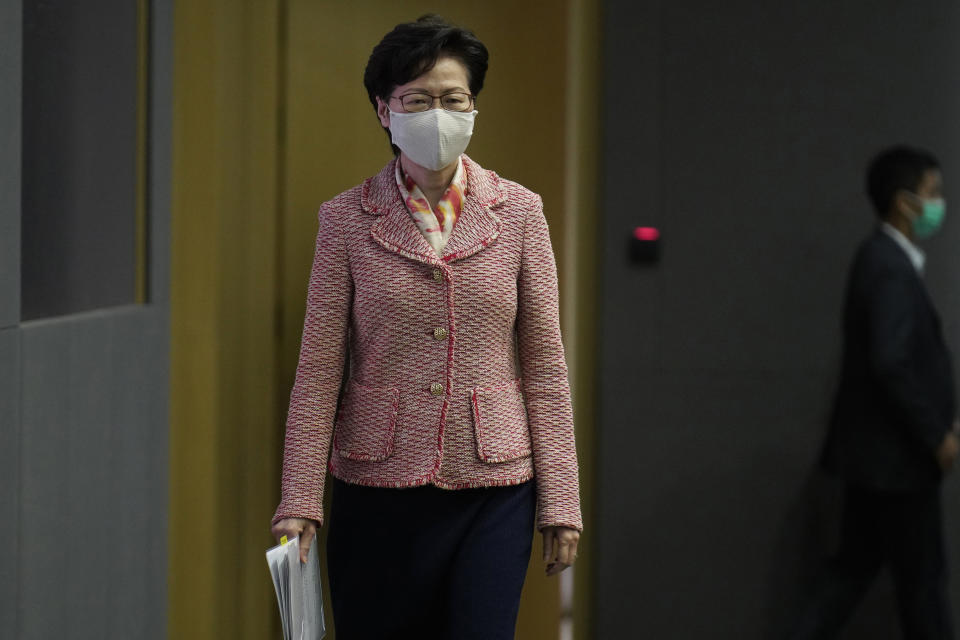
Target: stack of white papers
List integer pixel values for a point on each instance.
(298, 590)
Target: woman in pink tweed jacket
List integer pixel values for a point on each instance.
(456, 373)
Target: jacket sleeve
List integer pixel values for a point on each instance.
(313, 401)
(545, 384)
(892, 343)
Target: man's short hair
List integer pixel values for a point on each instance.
(893, 169)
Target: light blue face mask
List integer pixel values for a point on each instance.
(931, 216)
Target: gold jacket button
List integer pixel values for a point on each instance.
(438, 275)
(440, 333)
(436, 389)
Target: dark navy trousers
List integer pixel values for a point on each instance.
(428, 563)
(902, 531)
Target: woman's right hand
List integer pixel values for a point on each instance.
(292, 527)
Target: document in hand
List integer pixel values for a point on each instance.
(298, 590)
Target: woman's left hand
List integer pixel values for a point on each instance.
(559, 548)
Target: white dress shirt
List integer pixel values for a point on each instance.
(917, 257)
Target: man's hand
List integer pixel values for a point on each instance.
(948, 449)
(559, 548)
(292, 527)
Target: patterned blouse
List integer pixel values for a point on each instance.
(436, 226)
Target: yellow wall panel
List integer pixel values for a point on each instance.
(224, 432)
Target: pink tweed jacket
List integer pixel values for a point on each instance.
(456, 372)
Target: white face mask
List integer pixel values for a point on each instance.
(435, 138)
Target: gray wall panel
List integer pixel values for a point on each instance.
(83, 467)
(79, 102)
(94, 453)
(10, 80)
(47, 545)
(91, 478)
(9, 478)
(743, 132)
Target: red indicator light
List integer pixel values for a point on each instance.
(646, 234)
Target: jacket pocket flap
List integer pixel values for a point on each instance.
(366, 423)
(500, 423)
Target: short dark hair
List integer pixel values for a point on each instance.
(893, 169)
(413, 48)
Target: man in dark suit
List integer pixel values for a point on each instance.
(893, 433)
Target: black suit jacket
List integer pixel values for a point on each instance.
(895, 400)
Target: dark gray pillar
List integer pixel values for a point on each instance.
(9, 479)
(10, 70)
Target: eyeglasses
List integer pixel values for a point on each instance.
(417, 102)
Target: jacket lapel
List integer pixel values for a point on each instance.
(477, 226)
(394, 229)
(904, 263)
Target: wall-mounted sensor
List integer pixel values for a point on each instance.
(645, 245)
